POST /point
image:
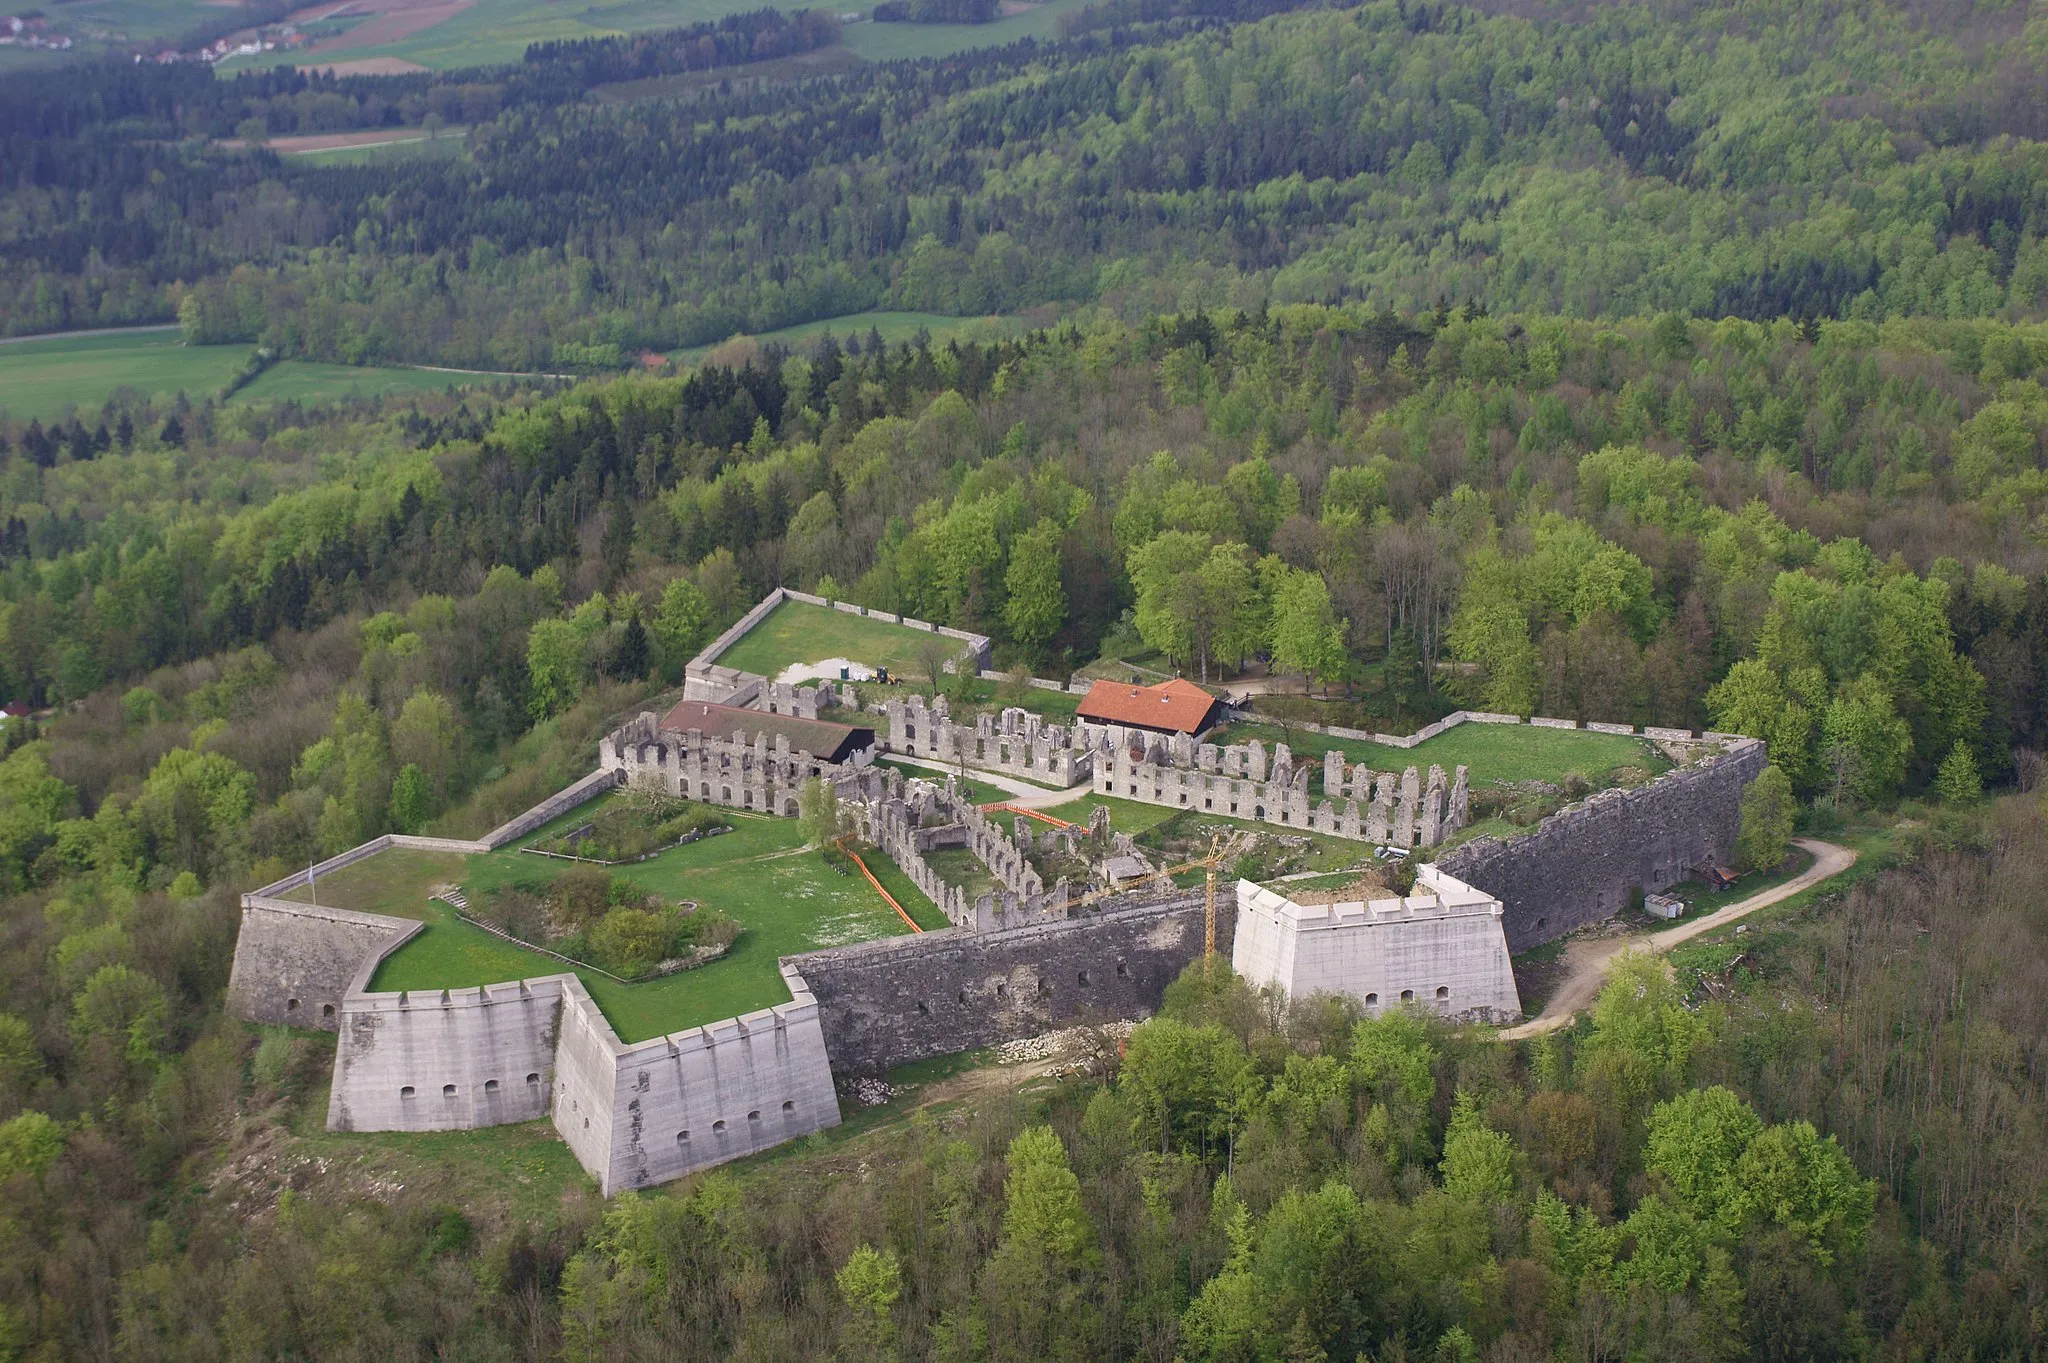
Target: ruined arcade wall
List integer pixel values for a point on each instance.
(1582, 863)
(901, 999)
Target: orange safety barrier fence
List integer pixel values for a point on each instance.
(878, 887)
(1029, 814)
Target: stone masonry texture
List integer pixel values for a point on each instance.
(294, 963)
(1583, 863)
(901, 999)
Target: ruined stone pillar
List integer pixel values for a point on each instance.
(1379, 817)
(1431, 831)
(1403, 832)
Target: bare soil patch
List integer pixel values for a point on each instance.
(367, 66)
(304, 142)
(390, 21)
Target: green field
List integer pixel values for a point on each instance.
(894, 327)
(798, 632)
(40, 379)
(495, 32)
(786, 899)
(448, 144)
(1498, 754)
(886, 42)
(132, 18)
(499, 31)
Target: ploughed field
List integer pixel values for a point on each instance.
(786, 898)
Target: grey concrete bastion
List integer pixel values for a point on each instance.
(1439, 947)
(641, 1113)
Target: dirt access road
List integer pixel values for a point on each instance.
(1586, 962)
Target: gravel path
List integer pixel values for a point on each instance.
(1587, 961)
(1021, 793)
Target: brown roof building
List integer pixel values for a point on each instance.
(1175, 707)
(812, 737)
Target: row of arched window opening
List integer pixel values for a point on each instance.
(718, 1127)
(490, 1086)
(1443, 993)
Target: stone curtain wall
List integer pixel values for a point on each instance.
(446, 1060)
(294, 963)
(757, 776)
(1016, 743)
(1236, 781)
(556, 805)
(705, 679)
(1454, 719)
(1583, 863)
(901, 999)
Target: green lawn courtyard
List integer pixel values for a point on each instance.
(787, 900)
(797, 632)
(1498, 754)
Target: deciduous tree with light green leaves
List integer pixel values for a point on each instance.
(1036, 605)
(1769, 814)
(1307, 635)
(869, 1284)
(1033, 1285)
(1186, 1079)
(554, 667)
(1478, 1163)
(680, 625)
(1643, 1037)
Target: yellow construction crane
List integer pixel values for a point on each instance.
(1209, 900)
(1222, 847)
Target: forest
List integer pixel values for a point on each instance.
(1640, 159)
(1674, 363)
(271, 632)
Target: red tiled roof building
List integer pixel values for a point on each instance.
(1175, 707)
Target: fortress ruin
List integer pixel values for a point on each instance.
(1018, 958)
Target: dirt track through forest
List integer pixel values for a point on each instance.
(1587, 961)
